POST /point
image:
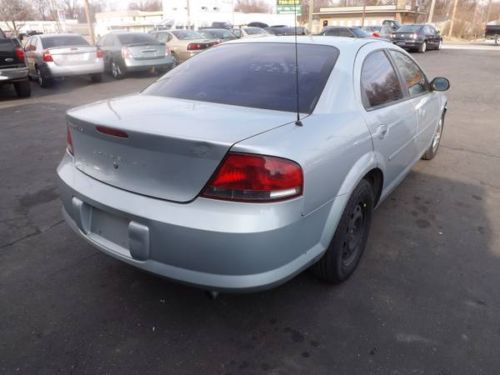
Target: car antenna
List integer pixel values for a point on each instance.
(297, 122)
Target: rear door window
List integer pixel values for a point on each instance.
(259, 75)
(413, 76)
(380, 84)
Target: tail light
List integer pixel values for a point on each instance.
(125, 52)
(46, 56)
(19, 54)
(195, 46)
(99, 53)
(69, 142)
(255, 178)
(167, 51)
(375, 34)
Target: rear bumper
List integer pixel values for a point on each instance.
(56, 71)
(13, 75)
(140, 65)
(207, 243)
(408, 43)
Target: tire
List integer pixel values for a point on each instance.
(42, 79)
(349, 241)
(423, 47)
(117, 71)
(436, 141)
(174, 61)
(96, 78)
(23, 89)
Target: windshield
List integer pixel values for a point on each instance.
(360, 33)
(409, 29)
(187, 35)
(254, 30)
(63, 41)
(258, 75)
(136, 38)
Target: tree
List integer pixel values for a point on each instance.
(252, 6)
(147, 6)
(13, 12)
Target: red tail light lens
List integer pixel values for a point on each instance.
(125, 52)
(255, 178)
(375, 34)
(99, 53)
(195, 46)
(111, 131)
(20, 54)
(69, 141)
(46, 56)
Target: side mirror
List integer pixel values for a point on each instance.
(440, 84)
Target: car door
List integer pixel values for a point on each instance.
(424, 101)
(388, 114)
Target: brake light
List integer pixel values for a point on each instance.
(99, 53)
(167, 51)
(125, 52)
(46, 56)
(69, 142)
(19, 54)
(375, 34)
(111, 131)
(255, 178)
(195, 46)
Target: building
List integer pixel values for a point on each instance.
(130, 20)
(373, 15)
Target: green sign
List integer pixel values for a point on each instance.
(288, 7)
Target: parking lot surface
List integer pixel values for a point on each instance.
(425, 299)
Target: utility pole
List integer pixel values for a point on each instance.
(488, 12)
(89, 23)
(454, 11)
(311, 10)
(188, 14)
(364, 14)
(431, 11)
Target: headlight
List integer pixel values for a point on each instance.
(414, 36)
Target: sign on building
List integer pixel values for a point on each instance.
(288, 7)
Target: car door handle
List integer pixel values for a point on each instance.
(381, 132)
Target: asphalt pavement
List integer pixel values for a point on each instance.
(424, 300)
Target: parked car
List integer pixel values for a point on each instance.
(51, 56)
(393, 24)
(234, 184)
(219, 35)
(222, 25)
(349, 32)
(287, 30)
(13, 69)
(134, 52)
(492, 32)
(184, 44)
(250, 32)
(417, 37)
(262, 25)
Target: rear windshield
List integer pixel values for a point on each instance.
(409, 28)
(63, 41)
(254, 30)
(220, 34)
(136, 38)
(258, 75)
(360, 33)
(6, 45)
(187, 35)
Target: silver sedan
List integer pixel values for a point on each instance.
(219, 176)
(50, 56)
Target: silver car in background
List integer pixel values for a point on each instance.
(51, 56)
(134, 52)
(207, 176)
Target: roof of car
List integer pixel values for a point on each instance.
(339, 42)
(51, 35)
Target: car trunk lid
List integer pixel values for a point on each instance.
(140, 51)
(161, 147)
(73, 55)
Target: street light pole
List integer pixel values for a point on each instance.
(364, 14)
(452, 18)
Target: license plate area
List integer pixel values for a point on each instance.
(113, 228)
